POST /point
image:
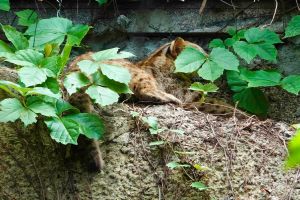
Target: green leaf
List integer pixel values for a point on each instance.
(224, 58)
(52, 30)
(26, 58)
(261, 78)
(252, 100)
(88, 67)
(102, 80)
(75, 81)
(103, 96)
(11, 109)
(63, 130)
(256, 35)
(174, 165)
(110, 54)
(200, 186)
(5, 47)
(43, 91)
(293, 28)
(189, 60)
(4, 5)
(231, 30)
(266, 51)
(27, 17)
(293, 159)
(210, 71)
(291, 84)
(245, 51)
(229, 42)
(39, 106)
(216, 43)
(52, 84)
(116, 73)
(53, 64)
(156, 143)
(31, 76)
(101, 2)
(76, 33)
(7, 85)
(15, 37)
(91, 125)
(151, 122)
(63, 106)
(235, 82)
(209, 87)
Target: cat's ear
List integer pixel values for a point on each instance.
(177, 46)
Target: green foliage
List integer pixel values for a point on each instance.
(293, 28)
(293, 159)
(4, 5)
(200, 186)
(101, 2)
(176, 165)
(27, 17)
(210, 87)
(15, 37)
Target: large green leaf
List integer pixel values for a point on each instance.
(75, 81)
(54, 30)
(38, 105)
(43, 91)
(245, 51)
(27, 17)
(63, 130)
(293, 159)
(210, 71)
(189, 60)
(91, 125)
(261, 78)
(11, 109)
(5, 47)
(293, 28)
(7, 85)
(31, 76)
(252, 100)
(224, 58)
(209, 87)
(116, 73)
(53, 64)
(4, 5)
(88, 67)
(291, 84)
(52, 84)
(15, 37)
(110, 54)
(102, 80)
(266, 51)
(256, 35)
(103, 96)
(26, 58)
(216, 43)
(235, 82)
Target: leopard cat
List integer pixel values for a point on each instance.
(152, 80)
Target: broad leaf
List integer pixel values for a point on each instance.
(102, 80)
(210, 71)
(245, 51)
(63, 130)
(26, 58)
(252, 100)
(116, 73)
(229, 42)
(53, 64)
(11, 109)
(43, 91)
(52, 84)
(15, 37)
(256, 35)
(103, 96)
(110, 54)
(224, 58)
(88, 67)
(151, 122)
(75, 81)
(31, 76)
(7, 85)
(37, 105)
(291, 84)
(4, 5)
(27, 17)
(189, 60)
(5, 47)
(261, 78)
(76, 33)
(91, 125)
(266, 51)
(293, 28)
(235, 82)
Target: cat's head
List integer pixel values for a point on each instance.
(179, 44)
